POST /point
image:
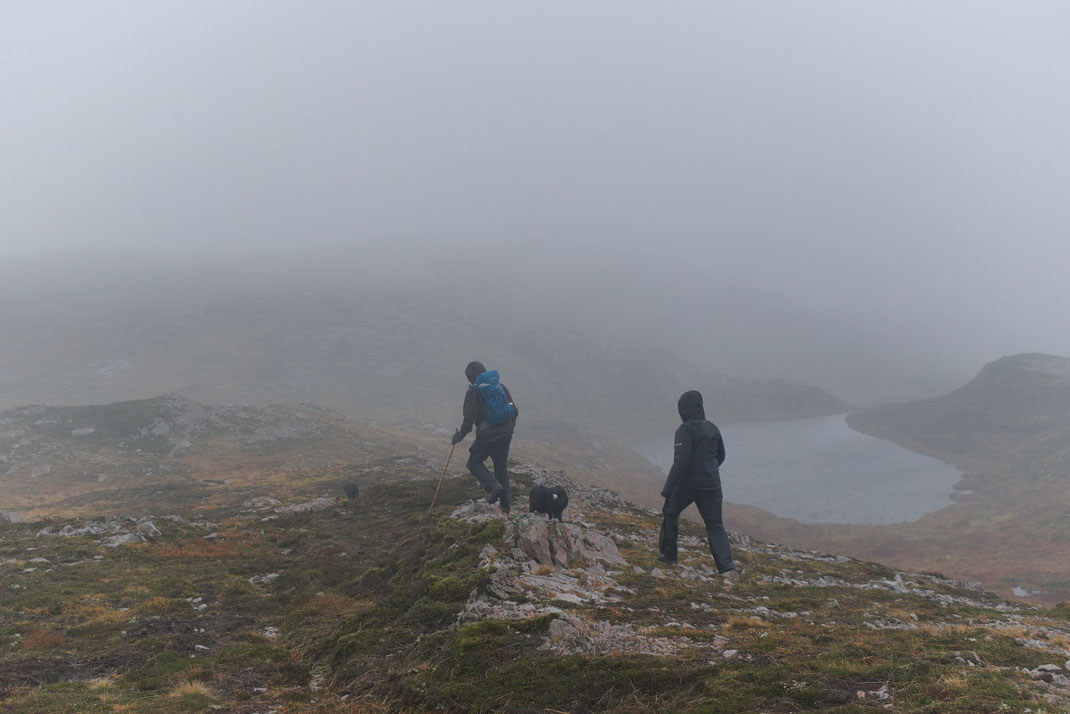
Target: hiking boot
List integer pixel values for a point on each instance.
(666, 559)
(503, 503)
(495, 492)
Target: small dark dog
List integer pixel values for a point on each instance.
(352, 490)
(551, 501)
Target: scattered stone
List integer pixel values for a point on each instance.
(261, 502)
(147, 530)
(123, 539)
(316, 504)
(263, 579)
(572, 634)
(480, 511)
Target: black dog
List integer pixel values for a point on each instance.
(551, 501)
(352, 490)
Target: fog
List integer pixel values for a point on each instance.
(868, 197)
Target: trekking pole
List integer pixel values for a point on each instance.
(441, 478)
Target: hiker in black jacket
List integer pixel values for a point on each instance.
(491, 441)
(695, 478)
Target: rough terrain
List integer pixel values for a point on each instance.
(300, 602)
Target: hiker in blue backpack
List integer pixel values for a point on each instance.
(488, 407)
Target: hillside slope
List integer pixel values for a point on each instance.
(68, 461)
(388, 355)
(1017, 409)
(281, 603)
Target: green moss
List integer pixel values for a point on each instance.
(159, 671)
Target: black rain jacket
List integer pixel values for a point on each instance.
(698, 451)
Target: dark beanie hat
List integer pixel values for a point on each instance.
(473, 370)
(690, 406)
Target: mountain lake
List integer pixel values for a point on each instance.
(819, 470)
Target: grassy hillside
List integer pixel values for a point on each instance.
(376, 606)
(85, 460)
(383, 355)
(1016, 410)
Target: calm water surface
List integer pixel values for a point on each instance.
(821, 471)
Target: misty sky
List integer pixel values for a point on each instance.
(903, 165)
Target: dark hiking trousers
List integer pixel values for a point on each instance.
(497, 450)
(709, 507)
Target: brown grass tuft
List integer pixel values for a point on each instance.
(191, 687)
(42, 639)
(738, 622)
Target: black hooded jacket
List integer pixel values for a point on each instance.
(698, 451)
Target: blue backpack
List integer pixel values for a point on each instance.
(498, 408)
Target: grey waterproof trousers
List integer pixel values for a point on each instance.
(709, 507)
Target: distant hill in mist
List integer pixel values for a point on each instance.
(1017, 408)
(373, 351)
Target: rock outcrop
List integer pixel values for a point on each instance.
(561, 544)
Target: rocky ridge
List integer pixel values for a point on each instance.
(571, 572)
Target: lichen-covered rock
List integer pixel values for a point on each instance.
(147, 530)
(316, 504)
(261, 502)
(530, 533)
(584, 545)
(572, 634)
(560, 544)
(474, 512)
